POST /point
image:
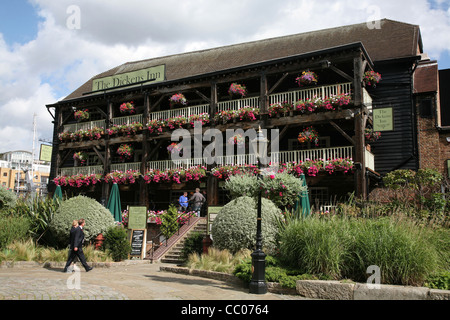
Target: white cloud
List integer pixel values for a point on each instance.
(113, 32)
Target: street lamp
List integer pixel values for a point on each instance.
(258, 283)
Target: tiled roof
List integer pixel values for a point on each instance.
(392, 40)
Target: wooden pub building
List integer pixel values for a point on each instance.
(319, 89)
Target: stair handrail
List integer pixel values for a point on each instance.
(166, 239)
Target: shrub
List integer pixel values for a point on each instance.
(169, 223)
(98, 219)
(13, 228)
(281, 188)
(217, 260)
(344, 248)
(439, 280)
(116, 243)
(192, 244)
(234, 228)
(7, 198)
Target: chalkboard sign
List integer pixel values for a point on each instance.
(137, 242)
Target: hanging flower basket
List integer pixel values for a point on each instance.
(81, 157)
(237, 90)
(237, 139)
(309, 135)
(125, 152)
(81, 115)
(371, 78)
(127, 108)
(178, 100)
(371, 135)
(174, 148)
(307, 78)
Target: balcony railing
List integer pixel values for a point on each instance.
(291, 96)
(276, 158)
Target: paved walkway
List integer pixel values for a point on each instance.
(123, 282)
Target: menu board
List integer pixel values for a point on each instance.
(137, 217)
(137, 242)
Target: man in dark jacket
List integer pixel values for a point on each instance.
(76, 245)
(197, 201)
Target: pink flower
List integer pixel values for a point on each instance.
(272, 176)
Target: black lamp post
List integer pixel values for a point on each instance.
(258, 283)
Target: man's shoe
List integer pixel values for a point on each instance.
(89, 269)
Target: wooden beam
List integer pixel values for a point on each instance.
(102, 159)
(341, 73)
(278, 83)
(201, 95)
(346, 136)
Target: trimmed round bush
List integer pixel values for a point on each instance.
(234, 228)
(98, 218)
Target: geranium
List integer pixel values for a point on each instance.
(344, 165)
(307, 78)
(371, 135)
(173, 148)
(81, 115)
(225, 115)
(80, 156)
(202, 117)
(371, 78)
(309, 135)
(237, 90)
(176, 122)
(276, 108)
(121, 177)
(178, 99)
(237, 139)
(224, 172)
(125, 152)
(179, 175)
(127, 108)
(156, 126)
(248, 113)
(78, 180)
(183, 217)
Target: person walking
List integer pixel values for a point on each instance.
(76, 246)
(197, 201)
(72, 235)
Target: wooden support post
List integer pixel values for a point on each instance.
(212, 185)
(360, 120)
(107, 157)
(263, 101)
(143, 187)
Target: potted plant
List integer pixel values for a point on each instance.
(173, 148)
(371, 78)
(178, 100)
(81, 115)
(237, 90)
(309, 135)
(127, 108)
(307, 78)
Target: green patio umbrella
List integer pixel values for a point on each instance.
(58, 193)
(303, 200)
(114, 203)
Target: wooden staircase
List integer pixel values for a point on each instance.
(171, 253)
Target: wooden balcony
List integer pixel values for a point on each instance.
(276, 158)
(236, 104)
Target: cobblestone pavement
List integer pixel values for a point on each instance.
(123, 282)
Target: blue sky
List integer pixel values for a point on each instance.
(43, 59)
